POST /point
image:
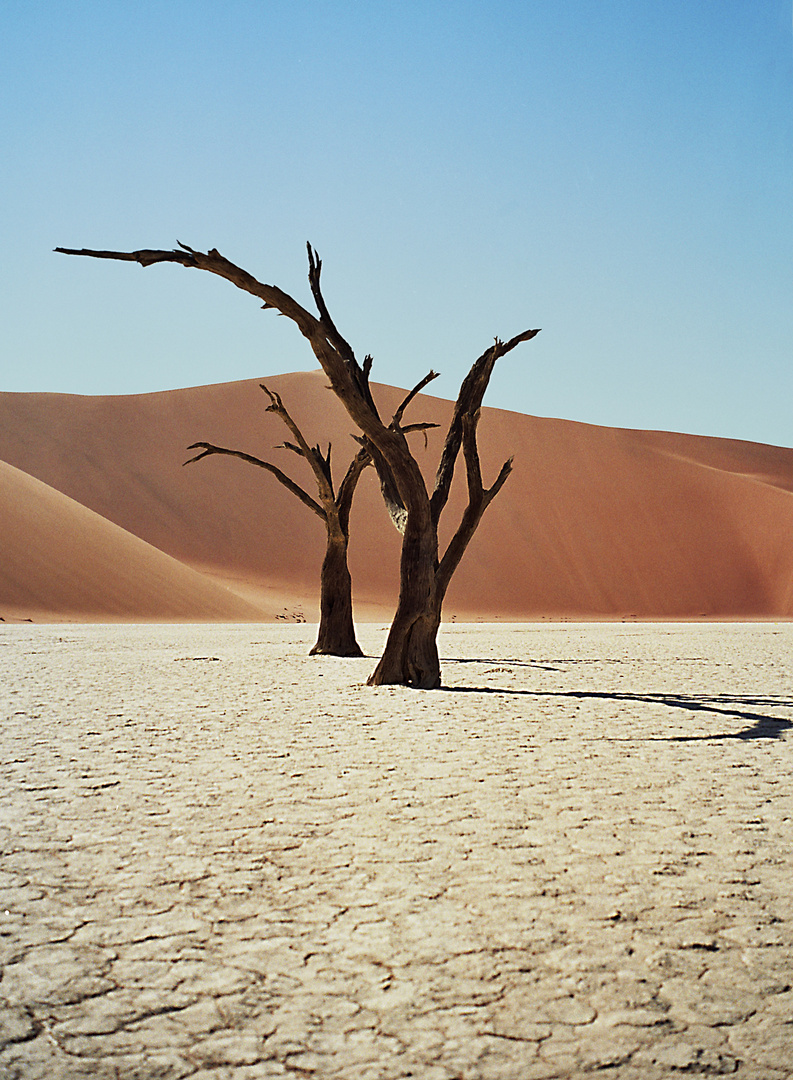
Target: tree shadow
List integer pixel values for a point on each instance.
(761, 725)
(499, 661)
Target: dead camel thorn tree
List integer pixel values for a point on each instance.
(411, 654)
(336, 636)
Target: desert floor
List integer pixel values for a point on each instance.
(222, 858)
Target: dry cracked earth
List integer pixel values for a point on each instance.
(225, 860)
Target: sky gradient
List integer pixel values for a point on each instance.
(617, 172)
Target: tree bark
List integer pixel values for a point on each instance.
(410, 656)
(336, 635)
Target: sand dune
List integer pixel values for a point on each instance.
(62, 560)
(594, 522)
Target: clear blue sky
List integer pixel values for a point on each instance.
(617, 172)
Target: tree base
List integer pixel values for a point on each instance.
(410, 657)
(337, 650)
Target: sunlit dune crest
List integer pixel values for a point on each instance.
(593, 523)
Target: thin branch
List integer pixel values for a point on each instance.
(479, 496)
(347, 487)
(325, 461)
(320, 465)
(479, 499)
(468, 401)
(359, 375)
(289, 446)
(473, 468)
(216, 263)
(417, 427)
(420, 427)
(491, 492)
(396, 421)
(288, 483)
(314, 274)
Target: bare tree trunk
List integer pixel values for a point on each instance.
(411, 654)
(336, 635)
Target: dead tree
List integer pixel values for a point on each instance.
(336, 636)
(411, 655)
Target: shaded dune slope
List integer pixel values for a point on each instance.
(60, 559)
(594, 522)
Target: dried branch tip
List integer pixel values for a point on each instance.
(276, 405)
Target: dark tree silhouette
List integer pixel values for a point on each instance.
(336, 636)
(411, 655)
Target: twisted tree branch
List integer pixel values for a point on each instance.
(348, 379)
(479, 498)
(288, 483)
(347, 487)
(396, 422)
(469, 400)
(320, 464)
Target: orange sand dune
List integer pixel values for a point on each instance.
(60, 559)
(593, 523)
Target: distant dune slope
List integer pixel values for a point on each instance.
(593, 522)
(59, 558)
